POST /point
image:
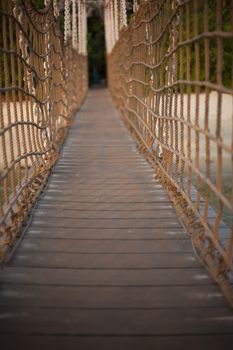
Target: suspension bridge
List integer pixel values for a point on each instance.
(116, 203)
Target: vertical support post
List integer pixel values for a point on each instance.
(67, 21)
(116, 20)
(112, 24)
(135, 5)
(80, 29)
(123, 14)
(74, 25)
(107, 27)
(84, 18)
(55, 8)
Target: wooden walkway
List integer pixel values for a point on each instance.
(106, 263)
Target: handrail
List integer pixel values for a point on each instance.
(42, 83)
(169, 76)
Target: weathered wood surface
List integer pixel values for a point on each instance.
(106, 264)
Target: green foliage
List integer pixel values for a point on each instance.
(96, 49)
(212, 43)
(39, 4)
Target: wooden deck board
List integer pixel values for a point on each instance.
(74, 342)
(106, 260)
(106, 263)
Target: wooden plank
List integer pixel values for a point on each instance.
(107, 199)
(107, 277)
(97, 214)
(74, 342)
(111, 297)
(106, 246)
(107, 186)
(105, 260)
(107, 192)
(172, 321)
(107, 233)
(102, 205)
(106, 223)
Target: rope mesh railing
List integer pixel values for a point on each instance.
(42, 83)
(170, 75)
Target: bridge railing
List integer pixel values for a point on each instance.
(170, 75)
(42, 83)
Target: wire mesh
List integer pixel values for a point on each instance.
(42, 83)
(170, 75)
